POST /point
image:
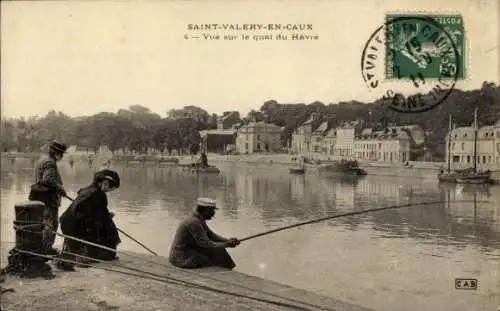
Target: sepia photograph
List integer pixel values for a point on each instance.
(168, 155)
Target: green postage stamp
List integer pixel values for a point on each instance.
(423, 44)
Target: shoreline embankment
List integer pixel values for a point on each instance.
(413, 169)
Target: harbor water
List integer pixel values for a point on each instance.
(402, 259)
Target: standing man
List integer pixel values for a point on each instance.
(196, 246)
(48, 188)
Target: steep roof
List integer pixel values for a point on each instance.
(228, 115)
(398, 132)
(323, 127)
(467, 132)
(204, 133)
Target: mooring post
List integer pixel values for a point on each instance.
(32, 232)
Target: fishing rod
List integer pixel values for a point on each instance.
(167, 281)
(348, 214)
(124, 233)
(169, 268)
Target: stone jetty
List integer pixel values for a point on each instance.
(93, 288)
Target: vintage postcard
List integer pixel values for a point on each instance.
(250, 155)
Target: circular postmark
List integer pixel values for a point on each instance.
(411, 54)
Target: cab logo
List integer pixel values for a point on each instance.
(470, 284)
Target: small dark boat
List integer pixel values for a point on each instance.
(208, 169)
(297, 170)
(452, 176)
(475, 178)
(343, 167)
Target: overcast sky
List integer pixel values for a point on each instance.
(83, 58)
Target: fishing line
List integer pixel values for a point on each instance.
(130, 237)
(174, 269)
(163, 280)
(124, 233)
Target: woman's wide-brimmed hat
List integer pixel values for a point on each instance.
(57, 146)
(110, 175)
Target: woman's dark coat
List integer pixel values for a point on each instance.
(88, 218)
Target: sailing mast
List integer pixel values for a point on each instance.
(475, 140)
(449, 146)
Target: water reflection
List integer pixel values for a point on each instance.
(252, 199)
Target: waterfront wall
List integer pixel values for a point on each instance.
(413, 169)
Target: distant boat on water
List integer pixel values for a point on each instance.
(297, 170)
(349, 167)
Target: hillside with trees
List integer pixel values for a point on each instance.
(138, 129)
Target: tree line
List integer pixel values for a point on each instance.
(138, 129)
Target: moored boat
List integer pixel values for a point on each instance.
(469, 175)
(208, 169)
(297, 170)
(475, 178)
(453, 176)
(343, 167)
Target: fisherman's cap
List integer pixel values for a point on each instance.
(110, 175)
(57, 146)
(206, 202)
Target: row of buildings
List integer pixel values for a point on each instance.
(353, 140)
(234, 135)
(460, 146)
(350, 140)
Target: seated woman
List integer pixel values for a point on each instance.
(88, 218)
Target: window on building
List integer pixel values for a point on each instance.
(484, 159)
(489, 159)
(468, 159)
(258, 137)
(456, 159)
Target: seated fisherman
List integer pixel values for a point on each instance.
(88, 218)
(196, 246)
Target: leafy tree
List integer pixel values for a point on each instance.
(139, 129)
